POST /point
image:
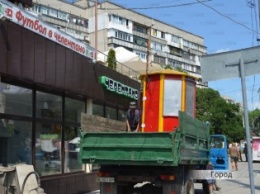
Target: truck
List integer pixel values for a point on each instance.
(171, 144)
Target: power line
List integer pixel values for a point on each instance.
(155, 7)
(252, 30)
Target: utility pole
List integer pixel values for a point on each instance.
(96, 30)
(149, 31)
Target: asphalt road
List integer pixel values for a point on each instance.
(239, 184)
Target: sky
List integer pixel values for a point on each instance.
(225, 25)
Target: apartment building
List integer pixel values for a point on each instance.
(117, 26)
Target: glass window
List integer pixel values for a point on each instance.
(73, 109)
(111, 113)
(44, 10)
(48, 148)
(53, 13)
(72, 162)
(48, 106)
(98, 110)
(15, 100)
(190, 98)
(15, 143)
(172, 97)
(122, 115)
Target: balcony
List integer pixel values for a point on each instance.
(140, 34)
(62, 23)
(112, 40)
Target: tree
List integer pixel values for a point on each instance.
(254, 121)
(111, 59)
(224, 116)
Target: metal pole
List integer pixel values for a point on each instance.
(250, 164)
(96, 30)
(149, 30)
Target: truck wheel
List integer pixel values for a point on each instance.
(189, 187)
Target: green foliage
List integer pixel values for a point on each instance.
(180, 70)
(111, 59)
(254, 121)
(168, 67)
(224, 116)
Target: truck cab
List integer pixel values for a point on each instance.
(219, 152)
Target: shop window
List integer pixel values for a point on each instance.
(15, 143)
(111, 113)
(72, 162)
(98, 110)
(48, 148)
(121, 115)
(48, 134)
(73, 109)
(15, 100)
(48, 106)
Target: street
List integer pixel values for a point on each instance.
(239, 184)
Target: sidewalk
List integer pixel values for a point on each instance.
(240, 183)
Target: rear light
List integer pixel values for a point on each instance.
(104, 174)
(167, 177)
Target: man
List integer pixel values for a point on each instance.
(234, 154)
(132, 118)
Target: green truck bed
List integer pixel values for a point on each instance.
(186, 145)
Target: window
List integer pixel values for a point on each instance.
(48, 134)
(48, 106)
(48, 148)
(98, 110)
(140, 29)
(140, 41)
(175, 39)
(190, 98)
(63, 16)
(15, 142)
(119, 20)
(111, 113)
(72, 162)
(15, 100)
(160, 60)
(162, 35)
(157, 46)
(141, 55)
(15, 124)
(172, 97)
(154, 32)
(44, 10)
(123, 36)
(53, 13)
(73, 109)
(122, 115)
(174, 63)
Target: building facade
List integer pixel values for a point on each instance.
(46, 87)
(117, 26)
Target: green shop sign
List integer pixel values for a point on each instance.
(119, 88)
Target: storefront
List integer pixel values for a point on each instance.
(44, 89)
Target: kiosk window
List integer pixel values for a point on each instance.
(172, 97)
